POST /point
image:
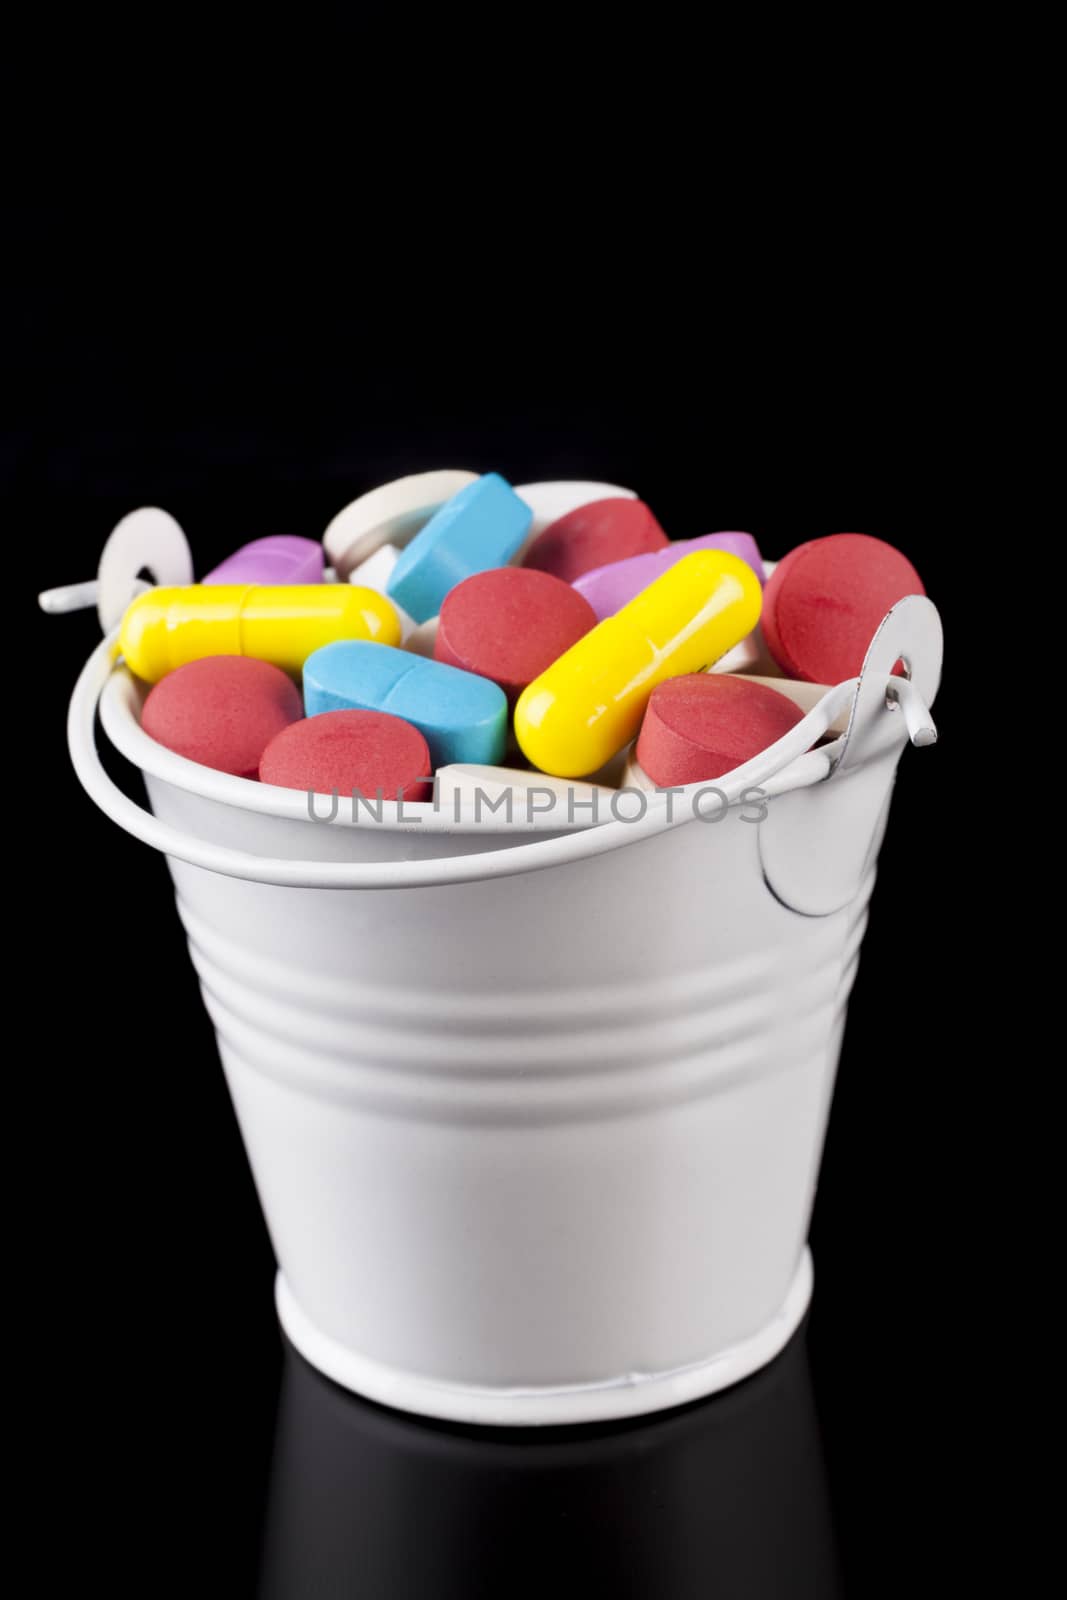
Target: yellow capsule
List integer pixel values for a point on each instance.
(165, 628)
(589, 702)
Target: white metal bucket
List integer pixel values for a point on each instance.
(535, 1119)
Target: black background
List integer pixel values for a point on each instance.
(151, 1355)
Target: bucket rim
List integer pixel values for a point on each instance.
(120, 707)
(791, 763)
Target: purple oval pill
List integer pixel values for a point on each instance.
(609, 588)
(281, 558)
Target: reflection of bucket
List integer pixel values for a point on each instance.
(535, 1121)
(724, 1498)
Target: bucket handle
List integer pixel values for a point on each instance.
(788, 764)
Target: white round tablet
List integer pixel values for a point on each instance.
(374, 574)
(421, 640)
(390, 514)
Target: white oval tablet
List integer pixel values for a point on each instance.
(635, 777)
(374, 574)
(750, 656)
(743, 658)
(550, 501)
(390, 514)
(422, 639)
(148, 540)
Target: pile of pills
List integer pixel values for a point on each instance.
(468, 626)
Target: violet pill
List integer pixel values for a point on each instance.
(280, 558)
(609, 588)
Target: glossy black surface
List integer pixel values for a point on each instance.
(726, 1496)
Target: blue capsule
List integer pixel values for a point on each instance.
(462, 716)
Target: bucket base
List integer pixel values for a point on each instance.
(592, 1402)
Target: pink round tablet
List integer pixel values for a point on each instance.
(594, 535)
(825, 599)
(705, 724)
(509, 624)
(222, 711)
(345, 750)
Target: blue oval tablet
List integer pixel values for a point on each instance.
(461, 716)
(480, 527)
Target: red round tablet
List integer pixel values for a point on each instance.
(704, 724)
(222, 711)
(825, 599)
(509, 624)
(594, 535)
(380, 755)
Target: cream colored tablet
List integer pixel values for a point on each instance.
(422, 638)
(391, 514)
(374, 574)
(635, 777)
(750, 656)
(743, 658)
